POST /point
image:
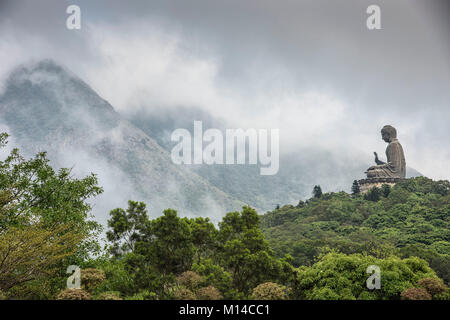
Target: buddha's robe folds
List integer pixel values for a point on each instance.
(395, 166)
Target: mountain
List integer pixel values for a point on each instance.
(45, 107)
(48, 108)
(412, 173)
(243, 182)
(299, 170)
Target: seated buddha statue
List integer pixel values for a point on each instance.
(395, 166)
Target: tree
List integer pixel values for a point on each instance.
(317, 191)
(168, 243)
(127, 227)
(301, 204)
(153, 252)
(216, 276)
(415, 294)
(91, 278)
(434, 286)
(44, 220)
(190, 280)
(355, 188)
(182, 293)
(108, 296)
(73, 294)
(385, 190)
(245, 253)
(33, 252)
(338, 276)
(268, 291)
(203, 236)
(209, 293)
(373, 194)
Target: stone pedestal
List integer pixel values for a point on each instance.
(367, 184)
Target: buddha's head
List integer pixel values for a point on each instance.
(388, 133)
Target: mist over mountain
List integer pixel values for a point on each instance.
(47, 108)
(299, 169)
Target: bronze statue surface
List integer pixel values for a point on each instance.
(395, 167)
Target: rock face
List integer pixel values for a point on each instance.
(391, 171)
(47, 108)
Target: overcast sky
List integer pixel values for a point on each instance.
(310, 68)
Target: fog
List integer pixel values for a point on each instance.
(309, 68)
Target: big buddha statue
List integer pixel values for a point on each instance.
(395, 166)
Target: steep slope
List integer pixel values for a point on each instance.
(411, 220)
(46, 107)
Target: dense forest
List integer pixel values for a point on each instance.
(319, 249)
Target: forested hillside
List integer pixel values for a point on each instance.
(320, 249)
(411, 219)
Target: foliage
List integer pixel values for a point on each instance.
(216, 276)
(44, 223)
(108, 296)
(91, 278)
(432, 285)
(317, 191)
(373, 194)
(318, 249)
(142, 295)
(356, 190)
(31, 252)
(385, 190)
(415, 294)
(268, 291)
(167, 241)
(183, 293)
(190, 280)
(203, 236)
(246, 254)
(73, 294)
(118, 279)
(413, 220)
(30, 191)
(443, 296)
(233, 259)
(209, 293)
(337, 276)
(126, 227)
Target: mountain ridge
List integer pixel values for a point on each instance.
(47, 107)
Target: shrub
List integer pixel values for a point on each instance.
(109, 296)
(91, 278)
(183, 293)
(268, 291)
(443, 296)
(73, 294)
(432, 285)
(209, 293)
(190, 280)
(373, 194)
(415, 294)
(143, 295)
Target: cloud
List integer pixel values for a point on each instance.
(309, 68)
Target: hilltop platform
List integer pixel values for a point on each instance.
(369, 183)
